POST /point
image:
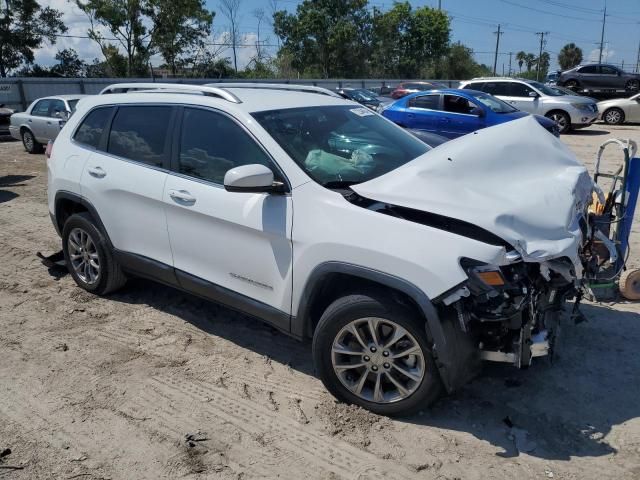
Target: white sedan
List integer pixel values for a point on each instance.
(620, 110)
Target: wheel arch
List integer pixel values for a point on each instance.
(330, 280)
(68, 203)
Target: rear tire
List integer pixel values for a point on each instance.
(562, 119)
(572, 84)
(385, 380)
(88, 256)
(613, 116)
(632, 86)
(30, 143)
(629, 284)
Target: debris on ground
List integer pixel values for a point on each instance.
(192, 438)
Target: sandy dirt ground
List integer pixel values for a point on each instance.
(153, 383)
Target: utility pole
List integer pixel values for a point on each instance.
(542, 34)
(638, 59)
(439, 4)
(495, 58)
(510, 54)
(604, 20)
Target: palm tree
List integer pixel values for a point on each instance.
(530, 59)
(520, 57)
(570, 55)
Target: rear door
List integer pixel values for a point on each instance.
(228, 246)
(124, 180)
(38, 118)
(422, 112)
(56, 108)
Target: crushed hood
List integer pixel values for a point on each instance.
(515, 180)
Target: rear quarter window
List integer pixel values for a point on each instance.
(90, 131)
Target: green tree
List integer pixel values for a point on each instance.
(24, 26)
(544, 62)
(179, 26)
(142, 28)
(329, 37)
(407, 41)
(570, 55)
(458, 64)
(69, 64)
(113, 65)
(520, 57)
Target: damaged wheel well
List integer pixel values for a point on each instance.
(333, 285)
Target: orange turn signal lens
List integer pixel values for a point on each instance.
(491, 277)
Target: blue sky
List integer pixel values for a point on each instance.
(473, 23)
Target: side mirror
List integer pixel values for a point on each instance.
(254, 178)
(534, 94)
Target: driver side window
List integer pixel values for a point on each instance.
(211, 144)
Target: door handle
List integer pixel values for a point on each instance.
(445, 120)
(97, 172)
(182, 196)
(410, 115)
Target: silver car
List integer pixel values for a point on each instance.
(534, 97)
(42, 121)
(620, 110)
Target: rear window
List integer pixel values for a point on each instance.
(425, 101)
(474, 86)
(140, 133)
(90, 131)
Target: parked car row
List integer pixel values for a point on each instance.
(598, 77)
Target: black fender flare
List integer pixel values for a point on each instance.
(442, 350)
(79, 199)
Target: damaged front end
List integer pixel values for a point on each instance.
(512, 312)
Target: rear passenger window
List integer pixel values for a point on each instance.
(589, 69)
(140, 133)
(474, 86)
(432, 102)
(496, 88)
(90, 131)
(211, 144)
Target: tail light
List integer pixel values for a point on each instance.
(49, 149)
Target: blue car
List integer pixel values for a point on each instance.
(453, 113)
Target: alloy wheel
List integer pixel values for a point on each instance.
(28, 141)
(613, 117)
(378, 360)
(83, 256)
(560, 119)
(633, 85)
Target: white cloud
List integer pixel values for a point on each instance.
(607, 54)
(77, 24)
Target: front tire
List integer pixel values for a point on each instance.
(30, 143)
(373, 352)
(88, 256)
(613, 116)
(562, 119)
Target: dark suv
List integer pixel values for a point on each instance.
(596, 77)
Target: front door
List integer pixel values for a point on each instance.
(520, 97)
(233, 247)
(459, 116)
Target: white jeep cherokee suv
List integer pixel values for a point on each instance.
(405, 265)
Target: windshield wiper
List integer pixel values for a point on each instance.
(338, 184)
